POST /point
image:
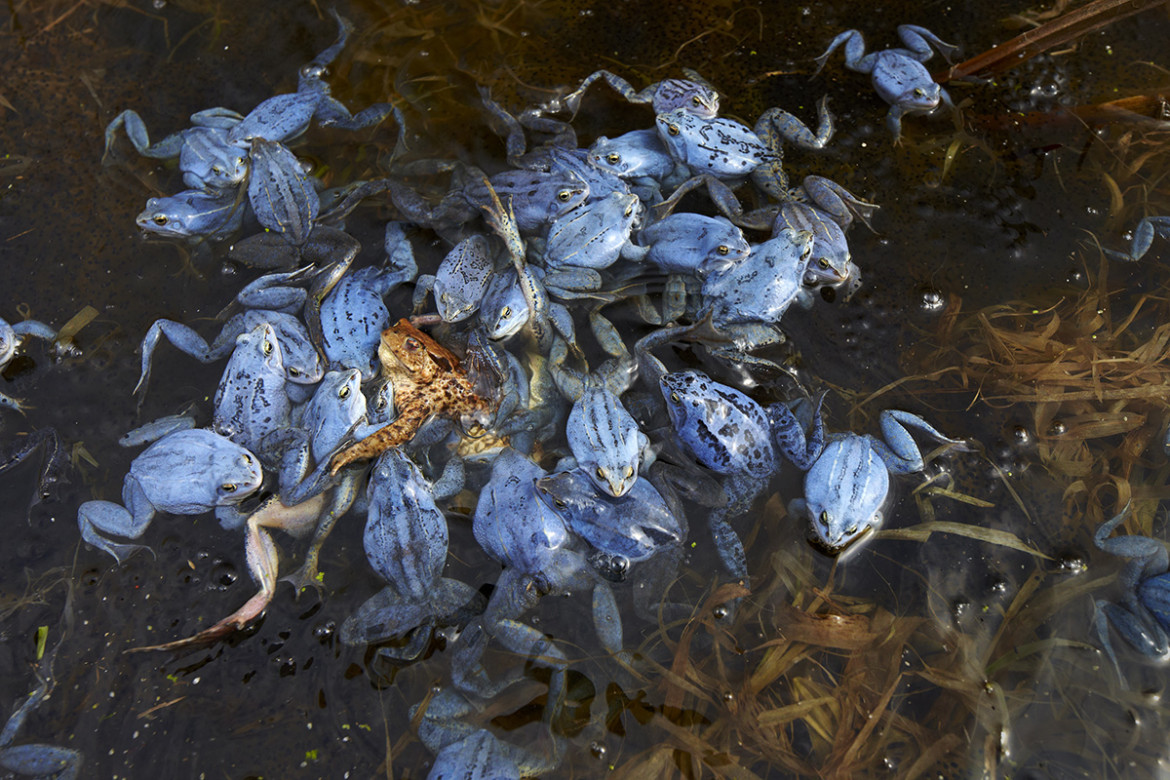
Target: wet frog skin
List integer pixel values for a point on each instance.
(405, 541)
(184, 473)
(847, 478)
(251, 402)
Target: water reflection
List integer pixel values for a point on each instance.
(927, 652)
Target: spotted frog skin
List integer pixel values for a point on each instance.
(427, 379)
(721, 147)
(406, 543)
(606, 441)
(251, 402)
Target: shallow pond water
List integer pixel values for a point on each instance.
(986, 307)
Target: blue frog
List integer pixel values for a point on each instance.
(406, 543)
(847, 475)
(899, 76)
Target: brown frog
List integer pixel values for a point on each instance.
(427, 380)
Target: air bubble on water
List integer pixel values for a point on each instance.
(932, 300)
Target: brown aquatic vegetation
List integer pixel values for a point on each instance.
(819, 683)
(1064, 29)
(1097, 383)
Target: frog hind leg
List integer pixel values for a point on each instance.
(343, 498)
(96, 518)
(263, 561)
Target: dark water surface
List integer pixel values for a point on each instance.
(945, 657)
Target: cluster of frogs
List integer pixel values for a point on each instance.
(577, 490)
(319, 382)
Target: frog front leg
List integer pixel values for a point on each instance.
(423, 286)
(343, 498)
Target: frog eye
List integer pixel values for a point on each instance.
(559, 503)
(228, 487)
(672, 129)
(343, 393)
(723, 249)
(613, 158)
(267, 347)
(247, 458)
(823, 262)
(216, 170)
(825, 518)
(564, 196)
(851, 530)
(629, 210)
(239, 162)
(159, 219)
(919, 92)
(695, 101)
(629, 472)
(674, 397)
(600, 473)
(506, 312)
(293, 371)
(412, 344)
